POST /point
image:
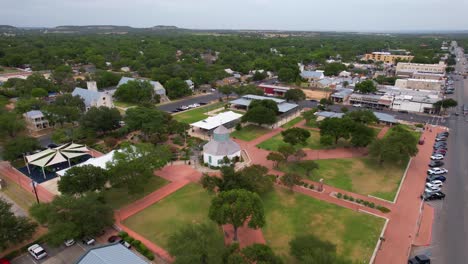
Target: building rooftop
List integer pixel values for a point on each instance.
(383, 117)
(156, 85)
(110, 254)
(88, 96)
(311, 74)
(100, 162)
(34, 114)
(217, 120)
(283, 106)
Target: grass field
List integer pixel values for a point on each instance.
(289, 214)
(359, 175)
(159, 221)
(197, 114)
(249, 132)
(292, 122)
(119, 197)
(23, 198)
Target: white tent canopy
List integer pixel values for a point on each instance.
(213, 122)
(56, 155)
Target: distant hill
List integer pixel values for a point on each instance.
(109, 29)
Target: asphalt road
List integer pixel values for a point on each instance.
(450, 229)
(171, 107)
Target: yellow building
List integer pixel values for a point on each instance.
(387, 57)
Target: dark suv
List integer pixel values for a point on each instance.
(436, 163)
(420, 259)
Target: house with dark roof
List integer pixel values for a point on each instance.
(111, 254)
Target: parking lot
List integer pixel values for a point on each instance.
(60, 255)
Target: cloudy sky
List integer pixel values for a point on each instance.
(347, 15)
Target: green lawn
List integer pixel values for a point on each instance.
(159, 221)
(292, 122)
(123, 104)
(289, 214)
(197, 114)
(359, 175)
(119, 197)
(313, 142)
(250, 132)
(23, 198)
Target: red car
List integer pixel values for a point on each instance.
(4, 261)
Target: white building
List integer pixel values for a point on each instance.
(404, 68)
(92, 97)
(35, 120)
(419, 84)
(220, 146)
(226, 119)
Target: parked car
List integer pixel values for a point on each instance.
(441, 178)
(430, 190)
(357, 105)
(113, 239)
(37, 251)
(433, 196)
(440, 151)
(440, 143)
(440, 139)
(436, 163)
(88, 241)
(434, 184)
(4, 261)
(125, 244)
(437, 170)
(445, 134)
(69, 242)
(437, 157)
(420, 259)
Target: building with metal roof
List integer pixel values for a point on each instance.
(244, 102)
(382, 117)
(110, 254)
(312, 75)
(213, 122)
(35, 120)
(93, 98)
(157, 86)
(220, 146)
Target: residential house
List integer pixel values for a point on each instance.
(157, 86)
(35, 120)
(312, 75)
(190, 84)
(110, 254)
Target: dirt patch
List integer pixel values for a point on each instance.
(316, 94)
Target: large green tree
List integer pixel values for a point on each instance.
(365, 87)
(18, 146)
(101, 120)
(396, 147)
(442, 105)
(237, 207)
(290, 180)
(260, 115)
(295, 95)
(82, 179)
(197, 243)
(295, 136)
(137, 92)
(13, 229)
(154, 123)
(336, 128)
(70, 217)
(133, 165)
(362, 116)
(177, 88)
(10, 124)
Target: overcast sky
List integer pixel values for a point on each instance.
(345, 15)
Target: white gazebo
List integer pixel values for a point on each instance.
(52, 156)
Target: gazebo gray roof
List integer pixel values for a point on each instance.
(221, 144)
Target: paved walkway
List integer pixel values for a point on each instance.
(405, 218)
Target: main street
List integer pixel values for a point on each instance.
(450, 228)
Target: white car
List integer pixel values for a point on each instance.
(433, 185)
(69, 242)
(37, 252)
(432, 189)
(357, 105)
(437, 157)
(437, 171)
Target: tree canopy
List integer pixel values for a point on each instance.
(82, 179)
(70, 217)
(177, 88)
(397, 146)
(137, 92)
(18, 146)
(365, 87)
(295, 95)
(102, 119)
(13, 229)
(235, 207)
(260, 115)
(295, 135)
(362, 116)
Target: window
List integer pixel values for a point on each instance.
(209, 159)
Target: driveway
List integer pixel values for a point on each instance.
(60, 255)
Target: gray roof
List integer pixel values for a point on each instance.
(283, 106)
(221, 130)
(221, 148)
(311, 74)
(342, 92)
(156, 85)
(381, 116)
(34, 114)
(110, 254)
(87, 95)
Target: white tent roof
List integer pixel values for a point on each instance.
(97, 162)
(217, 120)
(57, 155)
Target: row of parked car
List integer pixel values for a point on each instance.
(436, 174)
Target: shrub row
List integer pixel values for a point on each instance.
(306, 185)
(140, 247)
(383, 209)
